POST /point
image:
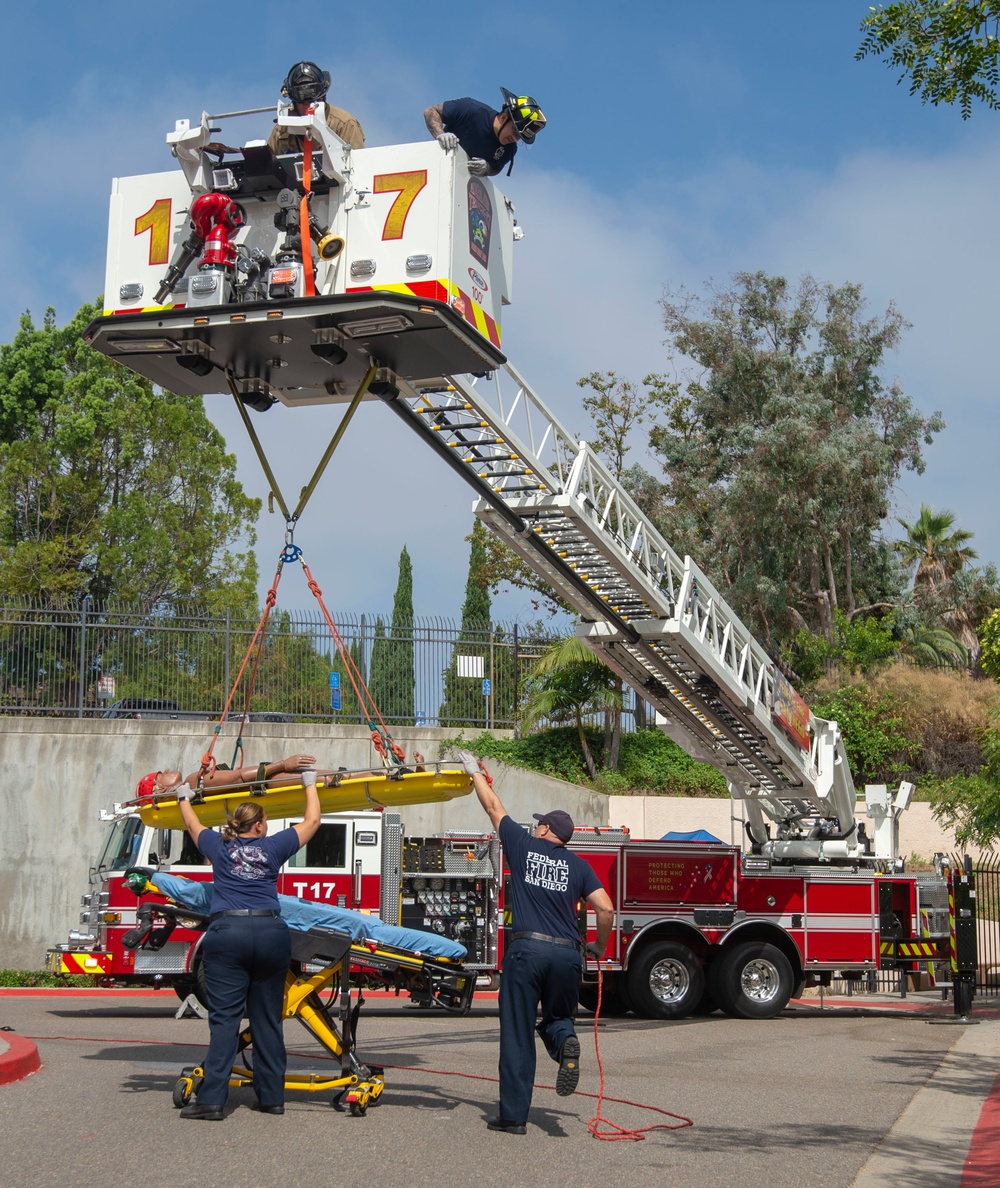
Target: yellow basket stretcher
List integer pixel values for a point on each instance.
(436, 981)
(339, 791)
(356, 1085)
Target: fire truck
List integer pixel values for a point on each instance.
(395, 293)
(697, 925)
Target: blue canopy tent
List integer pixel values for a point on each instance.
(696, 835)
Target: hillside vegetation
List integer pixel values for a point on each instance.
(903, 722)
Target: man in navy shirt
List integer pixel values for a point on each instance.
(544, 964)
(489, 137)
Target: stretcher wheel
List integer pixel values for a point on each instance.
(183, 1088)
(358, 1109)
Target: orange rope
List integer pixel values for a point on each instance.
(616, 1133)
(365, 702)
(304, 235)
(208, 761)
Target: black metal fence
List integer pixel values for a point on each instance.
(986, 873)
(987, 877)
(79, 660)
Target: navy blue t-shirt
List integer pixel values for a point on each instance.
(472, 123)
(245, 871)
(547, 881)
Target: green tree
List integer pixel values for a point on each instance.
(948, 48)
(793, 442)
(617, 408)
(874, 731)
(568, 683)
(971, 804)
(393, 678)
(379, 675)
(989, 635)
(463, 701)
(108, 488)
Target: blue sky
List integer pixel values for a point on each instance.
(685, 142)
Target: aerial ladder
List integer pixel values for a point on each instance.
(408, 312)
(654, 618)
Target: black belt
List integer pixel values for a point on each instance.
(551, 940)
(246, 912)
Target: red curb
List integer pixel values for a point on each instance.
(125, 992)
(81, 991)
(20, 1059)
(982, 1164)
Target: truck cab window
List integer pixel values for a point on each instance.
(328, 848)
(190, 855)
(121, 850)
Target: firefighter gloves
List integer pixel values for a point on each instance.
(469, 762)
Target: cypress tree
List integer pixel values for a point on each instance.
(400, 660)
(463, 702)
(378, 676)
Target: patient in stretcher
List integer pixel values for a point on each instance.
(160, 782)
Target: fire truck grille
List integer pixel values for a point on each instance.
(172, 958)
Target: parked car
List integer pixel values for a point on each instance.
(160, 708)
(143, 707)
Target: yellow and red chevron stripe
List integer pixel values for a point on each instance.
(446, 291)
(109, 313)
(951, 924)
(925, 948)
(85, 963)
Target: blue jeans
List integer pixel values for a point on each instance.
(534, 973)
(246, 960)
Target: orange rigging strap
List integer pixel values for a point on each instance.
(381, 739)
(304, 235)
(208, 761)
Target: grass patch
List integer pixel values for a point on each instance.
(650, 763)
(35, 978)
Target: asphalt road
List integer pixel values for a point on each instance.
(828, 1099)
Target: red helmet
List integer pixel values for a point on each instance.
(146, 786)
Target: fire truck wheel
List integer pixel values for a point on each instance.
(665, 981)
(183, 987)
(754, 981)
(200, 985)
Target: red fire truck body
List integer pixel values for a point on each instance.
(700, 926)
(697, 926)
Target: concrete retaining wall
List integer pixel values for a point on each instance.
(59, 773)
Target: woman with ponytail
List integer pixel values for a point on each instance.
(247, 948)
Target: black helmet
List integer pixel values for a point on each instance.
(306, 83)
(525, 114)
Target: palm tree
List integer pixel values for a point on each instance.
(939, 551)
(569, 682)
(933, 646)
